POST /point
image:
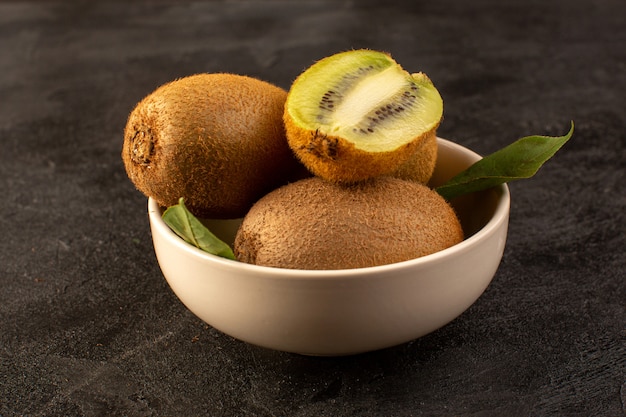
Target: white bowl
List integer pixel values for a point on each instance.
(341, 312)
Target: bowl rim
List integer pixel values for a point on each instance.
(499, 216)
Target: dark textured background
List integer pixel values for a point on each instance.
(89, 326)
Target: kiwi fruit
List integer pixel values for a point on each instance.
(421, 164)
(217, 140)
(316, 224)
(358, 114)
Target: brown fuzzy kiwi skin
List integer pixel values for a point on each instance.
(421, 164)
(216, 140)
(314, 224)
(337, 160)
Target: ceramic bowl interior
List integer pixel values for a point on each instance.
(341, 312)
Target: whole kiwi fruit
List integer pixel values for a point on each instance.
(317, 224)
(215, 139)
(358, 114)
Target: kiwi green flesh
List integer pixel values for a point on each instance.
(366, 99)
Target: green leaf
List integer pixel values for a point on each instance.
(188, 227)
(521, 159)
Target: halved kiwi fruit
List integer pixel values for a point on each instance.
(317, 224)
(358, 114)
(421, 164)
(217, 140)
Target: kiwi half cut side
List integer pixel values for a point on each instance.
(358, 114)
